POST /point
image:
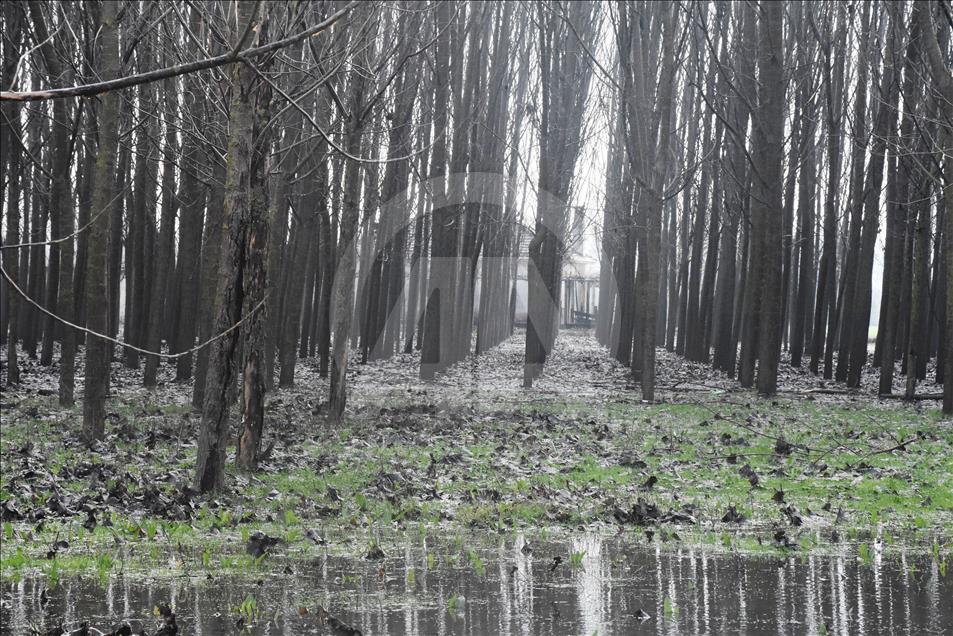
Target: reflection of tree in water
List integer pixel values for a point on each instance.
(593, 584)
(708, 592)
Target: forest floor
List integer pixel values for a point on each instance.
(709, 463)
(464, 461)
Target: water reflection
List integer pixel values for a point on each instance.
(607, 587)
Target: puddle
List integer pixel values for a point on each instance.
(497, 587)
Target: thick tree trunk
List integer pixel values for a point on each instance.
(61, 201)
(97, 319)
(10, 176)
(657, 175)
(948, 256)
(211, 262)
(84, 205)
(254, 282)
(770, 133)
(213, 432)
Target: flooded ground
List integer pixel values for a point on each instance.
(587, 584)
(811, 513)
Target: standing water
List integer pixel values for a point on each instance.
(587, 584)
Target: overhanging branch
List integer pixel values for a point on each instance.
(98, 88)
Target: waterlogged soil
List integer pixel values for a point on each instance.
(583, 584)
(787, 499)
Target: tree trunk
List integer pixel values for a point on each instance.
(115, 244)
(97, 319)
(343, 297)
(764, 273)
(802, 310)
(239, 199)
(849, 274)
(915, 350)
(327, 241)
(164, 248)
(209, 275)
(193, 196)
(564, 76)
(435, 326)
(827, 274)
(694, 338)
(884, 126)
(143, 194)
(342, 313)
(10, 256)
(297, 288)
(278, 222)
(254, 281)
(943, 87)
(725, 334)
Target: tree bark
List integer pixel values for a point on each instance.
(343, 293)
(767, 203)
(97, 319)
(211, 262)
(213, 432)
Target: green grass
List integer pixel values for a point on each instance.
(839, 464)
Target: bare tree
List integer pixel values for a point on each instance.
(97, 319)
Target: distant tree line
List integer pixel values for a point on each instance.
(800, 128)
